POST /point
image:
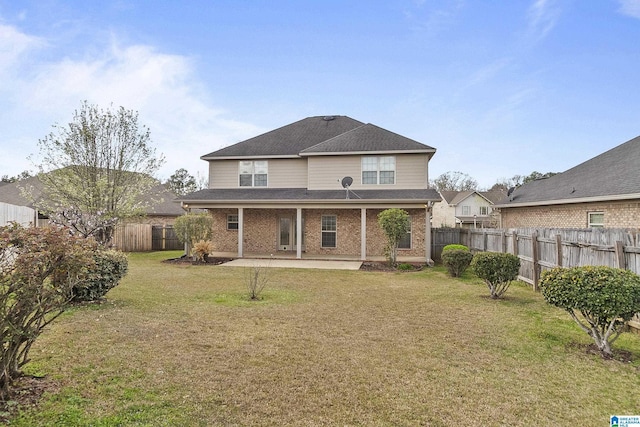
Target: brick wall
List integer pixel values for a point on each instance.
(261, 231)
(624, 214)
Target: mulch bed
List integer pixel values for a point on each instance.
(25, 395)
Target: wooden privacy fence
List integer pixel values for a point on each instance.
(133, 237)
(542, 249)
(145, 237)
(441, 237)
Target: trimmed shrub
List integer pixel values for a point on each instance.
(456, 260)
(497, 270)
(110, 267)
(600, 299)
(455, 247)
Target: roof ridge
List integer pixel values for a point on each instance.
(333, 137)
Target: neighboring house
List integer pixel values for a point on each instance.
(162, 210)
(282, 192)
(466, 209)
(601, 192)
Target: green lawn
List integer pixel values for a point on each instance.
(181, 345)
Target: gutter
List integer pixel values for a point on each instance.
(610, 198)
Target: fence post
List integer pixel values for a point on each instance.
(536, 259)
(559, 250)
(484, 241)
(514, 236)
(503, 237)
(620, 258)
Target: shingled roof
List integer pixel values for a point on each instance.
(365, 138)
(161, 199)
(302, 194)
(613, 175)
(288, 140)
(320, 135)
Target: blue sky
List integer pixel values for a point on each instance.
(499, 88)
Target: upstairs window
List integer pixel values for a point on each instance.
(466, 210)
(253, 173)
(379, 170)
(484, 210)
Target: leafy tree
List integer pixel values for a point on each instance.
(600, 299)
(395, 224)
(39, 268)
(497, 270)
(101, 164)
(22, 175)
(181, 182)
(193, 227)
(454, 181)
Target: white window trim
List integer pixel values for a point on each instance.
(592, 224)
(378, 169)
(485, 208)
(230, 221)
(410, 233)
(253, 173)
(335, 232)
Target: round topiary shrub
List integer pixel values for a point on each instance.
(600, 299)
(110, 267)
(456, 260)
(497, 270)
(455, 247)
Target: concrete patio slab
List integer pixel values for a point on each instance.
(294, 263)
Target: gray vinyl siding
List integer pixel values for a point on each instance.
(326, 172)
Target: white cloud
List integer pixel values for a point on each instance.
(543, 16)
(13, 46)
(161, 87)
(630, 8)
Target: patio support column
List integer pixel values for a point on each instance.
(427, 233)
(363, 234)
(240, 232)
(299, 233)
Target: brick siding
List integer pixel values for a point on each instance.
(624, 214)
(261, 231)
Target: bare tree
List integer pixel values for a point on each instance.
(454, 181)
(101, 164)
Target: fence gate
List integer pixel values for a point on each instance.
(441, 237)
(164, 239)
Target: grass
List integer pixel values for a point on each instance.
(182, 345)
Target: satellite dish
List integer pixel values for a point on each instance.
(346, 182)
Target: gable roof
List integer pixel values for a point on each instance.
(320, 135)
(367, 138)
(613, 175)
(455, 197)
(288, 140)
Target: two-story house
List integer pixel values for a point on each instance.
(316, 187)
(466, 209)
